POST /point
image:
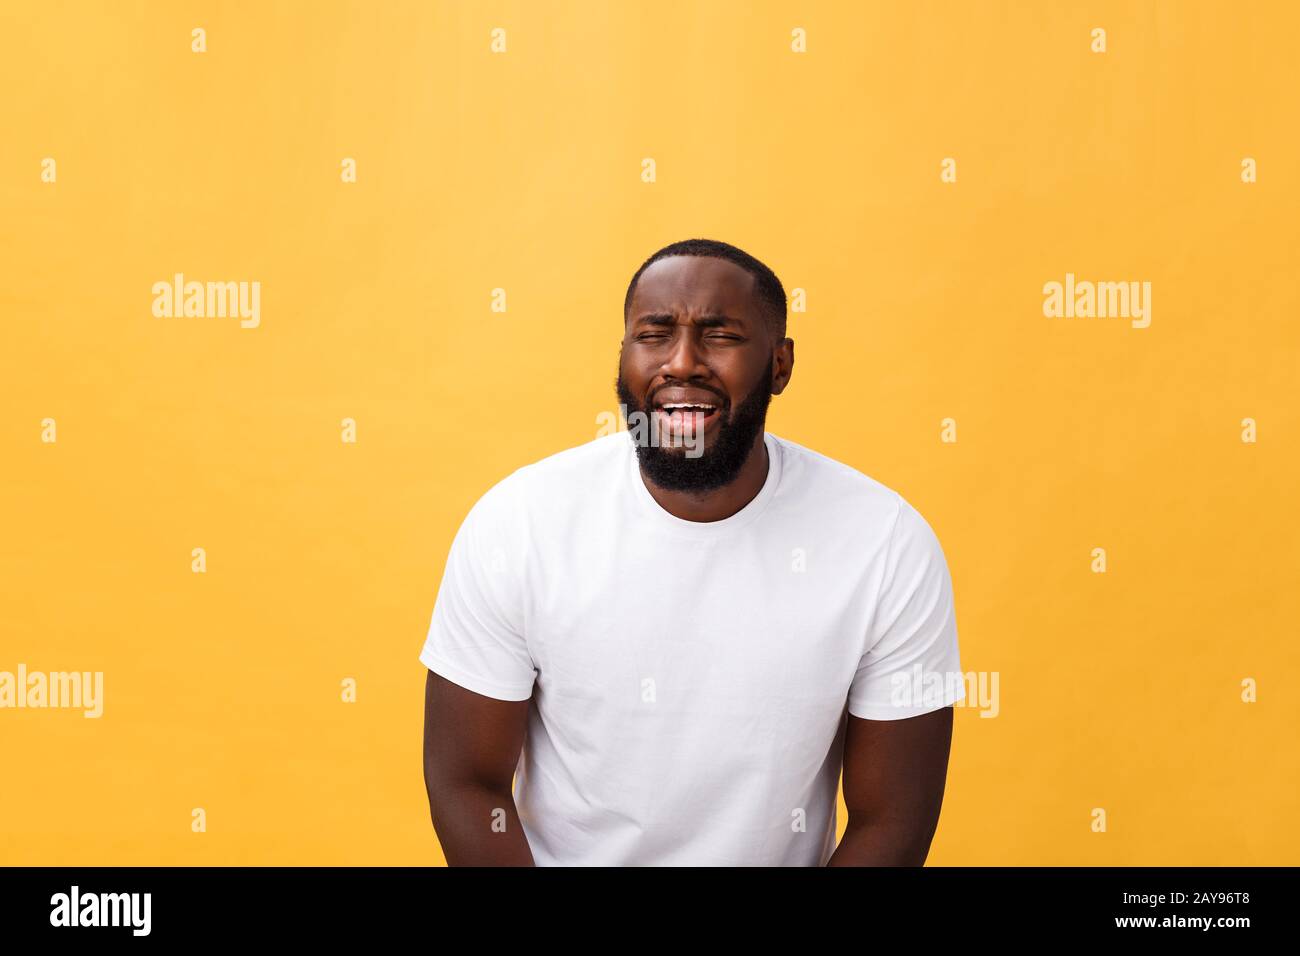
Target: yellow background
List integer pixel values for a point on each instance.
(522, 171)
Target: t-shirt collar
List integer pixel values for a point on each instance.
(655, 512)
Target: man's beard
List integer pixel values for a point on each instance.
(720, 463)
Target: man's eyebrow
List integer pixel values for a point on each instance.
(710, 321)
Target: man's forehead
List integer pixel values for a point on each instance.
(693, 284)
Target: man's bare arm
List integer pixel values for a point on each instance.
(471, 749)
(894, 773)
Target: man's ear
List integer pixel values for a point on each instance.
(782, 365)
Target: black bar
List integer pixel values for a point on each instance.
(970, 905)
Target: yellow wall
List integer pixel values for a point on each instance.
(522, 170)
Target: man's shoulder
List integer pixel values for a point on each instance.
(829, 479)
(581, 463)
(855, 499)
(565, 474)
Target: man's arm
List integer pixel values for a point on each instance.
(471, 749)
(894, 773)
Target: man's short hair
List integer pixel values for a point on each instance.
(767, 287)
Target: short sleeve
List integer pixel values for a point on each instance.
(476, 634)
(911, 666)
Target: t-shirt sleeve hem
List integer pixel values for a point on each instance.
(472, 682)
(891, 712)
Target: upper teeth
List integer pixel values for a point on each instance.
(685, 405)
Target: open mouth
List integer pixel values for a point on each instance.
(685, 418)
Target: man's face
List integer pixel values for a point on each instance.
(698, 356)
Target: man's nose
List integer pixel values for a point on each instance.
(684, 359)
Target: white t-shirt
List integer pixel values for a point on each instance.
(690, 679)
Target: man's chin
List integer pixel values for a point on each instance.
(688, 447)
(685, 455)
(674, 469)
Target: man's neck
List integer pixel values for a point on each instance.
(721, 502)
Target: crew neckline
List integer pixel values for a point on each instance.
(656, 513)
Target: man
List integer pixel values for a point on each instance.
(677, 643)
